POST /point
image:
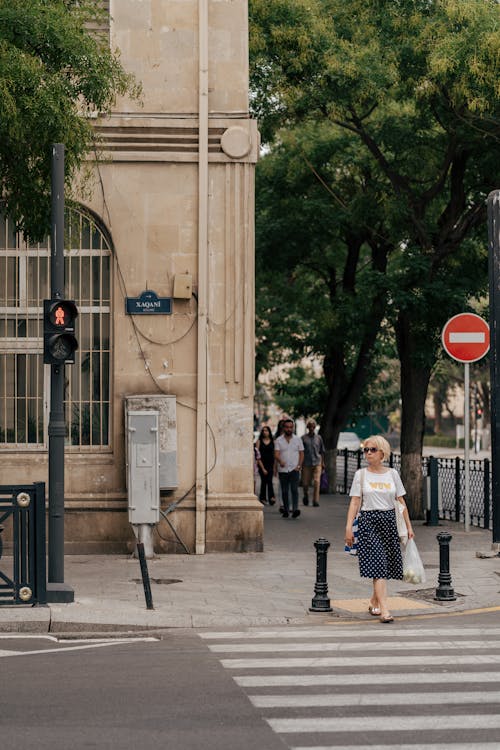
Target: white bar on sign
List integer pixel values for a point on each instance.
(469, 337)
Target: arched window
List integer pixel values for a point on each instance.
(24, 379)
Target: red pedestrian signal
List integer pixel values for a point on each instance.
(59, 340)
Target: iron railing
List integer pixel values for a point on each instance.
(22, 544)
(451, 484)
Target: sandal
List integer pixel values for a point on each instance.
(387, 618)
(375, 611)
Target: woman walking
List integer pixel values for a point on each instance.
(374, 493)
(265, 446)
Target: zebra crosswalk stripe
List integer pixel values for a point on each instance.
(347, 661)
(347, 633)
(358, 646)
(373, 699)
(379, 723)
(368, 679)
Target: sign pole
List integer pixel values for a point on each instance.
(466, 338)
(466, 444)
(494, 274)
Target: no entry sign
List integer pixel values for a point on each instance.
(466, 337)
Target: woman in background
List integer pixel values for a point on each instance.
(265, 446)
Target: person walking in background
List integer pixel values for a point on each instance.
(277, 434)
(256, 462)
(279, 428)
(374, 492)
(314, 462)
(265, 446)
(289, 453)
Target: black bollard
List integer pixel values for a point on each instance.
(320, 601)
(145, 576)
(444, 591)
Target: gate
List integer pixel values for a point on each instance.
(22, 529)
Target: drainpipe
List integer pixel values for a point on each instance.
(202, 354)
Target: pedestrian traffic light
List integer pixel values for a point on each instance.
(59, 340)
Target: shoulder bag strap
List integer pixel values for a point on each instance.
(393, 472)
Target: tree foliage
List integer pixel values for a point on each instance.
(322, 256)
(415, 86)
(55, 75)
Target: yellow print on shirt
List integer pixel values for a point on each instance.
(380, 485)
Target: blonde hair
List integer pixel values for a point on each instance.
(380, 443)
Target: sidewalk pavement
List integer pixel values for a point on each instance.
(273, 587)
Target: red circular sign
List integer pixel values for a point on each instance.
(466, 337)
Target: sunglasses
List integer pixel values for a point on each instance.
(370, 450)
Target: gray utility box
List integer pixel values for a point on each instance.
(143, 467)
(166, 407)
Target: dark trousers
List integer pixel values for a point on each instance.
(266, 483)
(289, 481)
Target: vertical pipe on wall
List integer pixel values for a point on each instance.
(202, 352)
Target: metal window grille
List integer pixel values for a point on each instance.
(24, 380)
(100, 26)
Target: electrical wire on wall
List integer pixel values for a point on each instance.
(138, 335)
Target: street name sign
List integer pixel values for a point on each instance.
(148, 303)
(466, 337)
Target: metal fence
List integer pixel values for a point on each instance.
(22, 544)
(451, 484)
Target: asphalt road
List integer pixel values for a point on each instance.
(420, 683)
(170, 693)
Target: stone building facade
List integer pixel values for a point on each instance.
(170, 211)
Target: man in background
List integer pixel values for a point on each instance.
(289, 453)
(314, 462)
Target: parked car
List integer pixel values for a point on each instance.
(348, 440)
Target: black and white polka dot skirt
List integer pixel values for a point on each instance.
(379, 549)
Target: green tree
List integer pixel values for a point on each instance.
(416, 86)
(55, 76)
(321, 265)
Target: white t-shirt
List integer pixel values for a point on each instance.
(379, 490)
(289, 452)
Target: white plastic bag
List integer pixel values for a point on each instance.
(413, 568)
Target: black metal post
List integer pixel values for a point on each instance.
(444, 591)
(433, 519)
(457, 489)
(57, 590)
(145, 575)
(494, 280)
(486, 492)
(320, 601)
(40, 564)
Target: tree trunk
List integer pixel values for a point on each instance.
(330, 432)
(414, 384)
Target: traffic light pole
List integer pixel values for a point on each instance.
(57, 590)
(494, 262)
